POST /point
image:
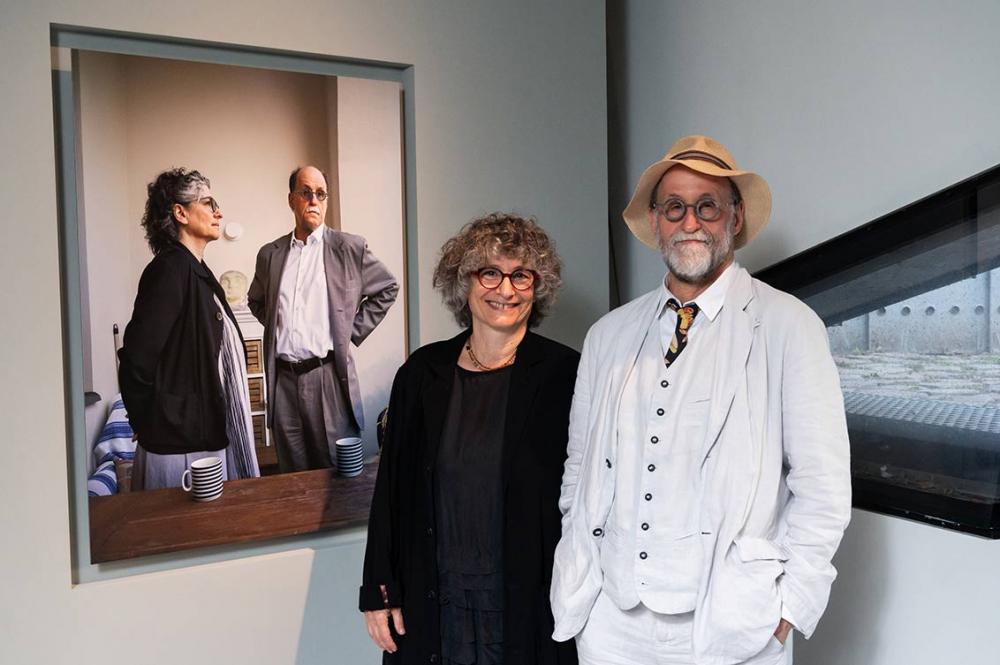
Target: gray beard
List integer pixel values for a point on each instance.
(693, 266)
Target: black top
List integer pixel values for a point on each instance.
(402, 546)
(169, 369)
(468, 508)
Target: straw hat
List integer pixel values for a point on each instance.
(708, 156)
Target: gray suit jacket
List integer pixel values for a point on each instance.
(361, 290)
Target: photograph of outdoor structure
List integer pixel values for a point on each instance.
(914, 325)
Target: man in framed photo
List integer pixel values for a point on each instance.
(316, 290)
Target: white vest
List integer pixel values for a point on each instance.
(652, 551)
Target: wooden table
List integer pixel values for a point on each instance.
(135, 524)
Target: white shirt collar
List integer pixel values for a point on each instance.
(315, 236)
(710, 300)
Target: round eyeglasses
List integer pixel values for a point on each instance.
(307, 195)
(706, 209)
(490, 278)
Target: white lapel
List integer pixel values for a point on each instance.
(615, 367)
(738, 327)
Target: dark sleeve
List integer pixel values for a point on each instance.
(158, 305)
(568, 366)
(378, 292)
(382, 550)
(257, 295)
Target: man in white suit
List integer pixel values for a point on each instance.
(708, 483)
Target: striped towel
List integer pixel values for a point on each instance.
(115, 442)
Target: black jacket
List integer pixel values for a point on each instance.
(401, 551)
(169, 362)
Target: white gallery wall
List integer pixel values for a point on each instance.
(107, 224)
(850, 110)
(502, 120)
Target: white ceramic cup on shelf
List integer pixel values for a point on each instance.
(203, 479)
(350, 456)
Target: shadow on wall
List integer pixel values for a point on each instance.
(333, 592)
(847, 628)
(617, 153)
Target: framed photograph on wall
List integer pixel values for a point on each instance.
(129, 108)
(911, 305)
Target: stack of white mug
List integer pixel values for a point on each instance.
(203, 479)
(350, 456)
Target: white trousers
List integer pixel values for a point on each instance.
(640, 636)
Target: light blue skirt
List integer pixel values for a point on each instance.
(152, 471)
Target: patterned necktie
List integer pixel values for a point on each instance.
(685, 317)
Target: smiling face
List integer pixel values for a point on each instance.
(197, 220)
(309, 212)
(696, 252)
(504, 308)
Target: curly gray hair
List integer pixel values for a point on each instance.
(484, 239)
(177, 185)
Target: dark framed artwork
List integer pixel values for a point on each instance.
(912, 306)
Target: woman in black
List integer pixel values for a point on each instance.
(465, 514)
(182, 369)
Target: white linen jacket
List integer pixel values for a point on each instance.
(775, 472)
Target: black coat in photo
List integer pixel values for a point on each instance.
(169, 360)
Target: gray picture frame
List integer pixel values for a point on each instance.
(66, 39)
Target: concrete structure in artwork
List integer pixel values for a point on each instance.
(960, 318)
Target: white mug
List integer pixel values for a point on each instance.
(204, 478)
(349, 456)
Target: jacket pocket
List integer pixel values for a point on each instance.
(745, 596)
(757, 549)
(681, 553)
